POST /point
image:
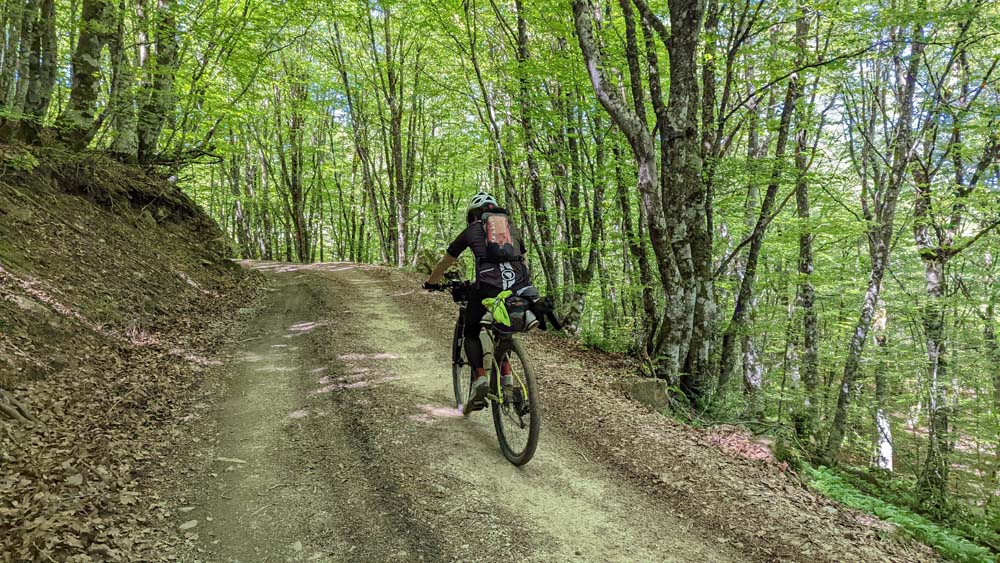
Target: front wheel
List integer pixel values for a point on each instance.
(517, 419)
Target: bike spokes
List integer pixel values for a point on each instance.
(515, 415)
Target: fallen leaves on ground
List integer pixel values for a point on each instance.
(107, 325)
(74, 487)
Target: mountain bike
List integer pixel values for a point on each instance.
(513, 394)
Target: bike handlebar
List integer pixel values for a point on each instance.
(545, 311)
(459, 289)
(452, 285)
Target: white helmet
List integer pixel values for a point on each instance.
(481, 199)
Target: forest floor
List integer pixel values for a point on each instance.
(332, 436)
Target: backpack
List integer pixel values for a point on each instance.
(501, 244)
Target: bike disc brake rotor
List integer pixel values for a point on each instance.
(514, 406)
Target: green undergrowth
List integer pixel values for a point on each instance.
(971, 522)
(951, 542)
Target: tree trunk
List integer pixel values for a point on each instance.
(855, 348)
(744, 297)
(362, 147)
(806, 410)
(122, 104)
(933, 481)
(76, 124)
(41, 68)
(678, 237)
(881, 217)
(883, 426)
(684, 185)
(159, 103)
(28, 16)
(583, 273)
(993, 350)
(637, 249)
(14, 13)
(544, 241)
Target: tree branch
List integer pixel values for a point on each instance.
(626, 119)
(758, 231)
(742, 103)
(650, 18)
(955, 250)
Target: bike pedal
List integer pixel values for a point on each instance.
(492, 397)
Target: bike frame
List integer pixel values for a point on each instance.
(458, 356)
(507, 401)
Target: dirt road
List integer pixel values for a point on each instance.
(337, 440)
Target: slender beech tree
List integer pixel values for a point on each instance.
(894, 77)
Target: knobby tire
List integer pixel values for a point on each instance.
(514, 349)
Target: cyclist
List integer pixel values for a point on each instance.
(500, 265)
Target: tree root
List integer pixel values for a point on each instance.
(12, 409)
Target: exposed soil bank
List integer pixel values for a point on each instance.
(94, 252)
(115, 291)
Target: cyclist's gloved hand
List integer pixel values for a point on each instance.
(432, 286)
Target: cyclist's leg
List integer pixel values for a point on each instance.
(505, 347)
(473, 348)
(456, 354)
(473, 315)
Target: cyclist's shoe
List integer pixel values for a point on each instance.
(477, 397)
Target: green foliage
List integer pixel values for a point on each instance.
(946, 541)
(17, 158)
(971, 522)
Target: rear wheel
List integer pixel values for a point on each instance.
(459, 370)
(517, 420)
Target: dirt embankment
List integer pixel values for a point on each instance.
(92, 250)
(114, 287)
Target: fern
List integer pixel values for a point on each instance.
(944, 540)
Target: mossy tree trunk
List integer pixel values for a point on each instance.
(41, 67)
(76, 125)
(161, 68)
(673, 201)
(13, 14)
(122, 106)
